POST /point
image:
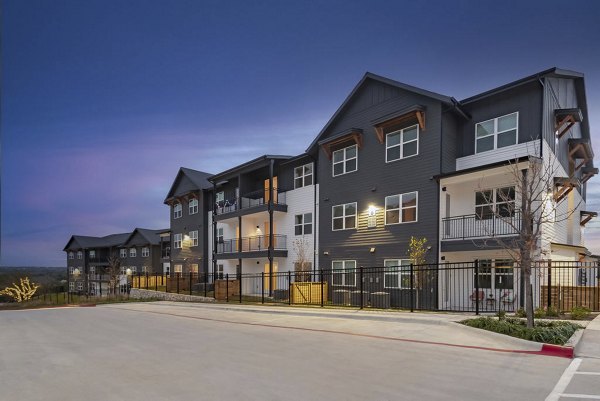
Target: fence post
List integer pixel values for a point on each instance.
(289, 287)
(262, 286)
(412, 287)
(156, 282)
(191, 275)
(205, 283)
(227, 286)
(240, 285)
(476, 287)
(361, 288)
(322, 301)
(549, 284)
(177, 277)
(146, 279)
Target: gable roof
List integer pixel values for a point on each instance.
(152, 236)
(198, 178)
(249, 164)
(83, 241)
(448, 100)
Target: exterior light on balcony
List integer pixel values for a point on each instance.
(76, 272)
(372, 210)
(128, 271)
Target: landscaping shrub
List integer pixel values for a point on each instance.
(552, 311)
(580, 313)
(521, 313)
(539, 313)
(501, 314)
(556, 332)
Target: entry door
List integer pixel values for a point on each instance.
(273, 277)
(267, 232)
(267, 194)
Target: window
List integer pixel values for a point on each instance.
(343, 217)
(71, 286)
(194, 268)
(345, 160)
(220, 235)
(495, 202)
(303, 224)
(71, 270)
(177, 211)
(401, 208)
(123, 253)
(219, 272)
(145, 252)
(303, 176)
(220, 198)
(177, 241)
(344, 272)
(496, 274)
(193, 206)
(92, 269)
(402, 144)
(71, 255)
(79, 255)
(396, 273)
(123, 269)
(496, 133)
(80, 286)
(144, 269)
(194, 237)
(92, 254)
(132, 252)
(178, 268)
(133, 269)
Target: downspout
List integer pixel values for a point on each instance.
(315, 211)
(542, 114)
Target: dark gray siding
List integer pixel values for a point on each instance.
(526, 99)
(188, 222)
(376, 179)
(449, 141)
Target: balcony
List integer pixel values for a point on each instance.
(251, 202)
(472, 226)
(256, 246)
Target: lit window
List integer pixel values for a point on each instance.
(303, 176)
(402, 143)
(132, 252)
(401, 208)
(177, 241)
(71, 255)
(123, 253)
(79, 255)
(345, 160)
(496, 133)
(303, 224)
(344, 272)
(145, 252)
(194, 237)
(396, 273)
(178, 268)
(193, 206)
(194, 268)
(495, 202)
(177, 211)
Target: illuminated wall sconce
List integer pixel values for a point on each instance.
(326, 253)
(186, 237)
(372, 219)
(372, 250)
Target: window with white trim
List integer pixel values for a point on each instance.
(132, 252)
(219, 272)
(123, 253)
(123, 270)
(71, 270)
(303, 224)
(71, 255)
(177, 240)
(401, 208)
(194, 237)
(402, 144)
(193, 206)
(145, 252)
(343, 217)
(220, 237)
(496, 274)
(345, 160)
(133, 269)
(194, 268)
(80, 286)
(220, 198)
(71, 285)
(177, 210)
(496, 133)
(79, 255)
(178, 268)
(303, 176)
(92, 269)
(92, 254)
(144, 269)
(495, 202)
(396, 273)
(343, 272)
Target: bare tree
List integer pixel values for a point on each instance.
(417, 253)
(524, 211)
(302, 265)
(114, 272)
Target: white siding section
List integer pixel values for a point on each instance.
(497, 155)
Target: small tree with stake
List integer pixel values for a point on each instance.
(114, 272)
(302, 266)
(417, 251)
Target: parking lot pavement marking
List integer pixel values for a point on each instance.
(588, 373)
(564, 380)
(581, 396)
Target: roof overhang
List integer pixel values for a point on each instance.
(351, 136)
(585, 216)
(413, 114)
(580, 152)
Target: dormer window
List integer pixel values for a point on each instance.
(71, 255)
(345, 160)
(132, 253)
(193, 205)
(177, 211)
(496, 133)
(402, 143)
(79, 255)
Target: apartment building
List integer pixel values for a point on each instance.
(142, 251)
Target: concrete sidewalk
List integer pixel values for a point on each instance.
(589, 345)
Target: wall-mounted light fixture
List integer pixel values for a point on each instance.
(372, 210)
(326, 253)
(372, 250)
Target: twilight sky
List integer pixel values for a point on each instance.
(103, 101)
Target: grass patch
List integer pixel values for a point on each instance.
(555, 332)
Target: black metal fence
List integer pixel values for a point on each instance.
(481, 286)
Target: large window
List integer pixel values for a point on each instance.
(177, 211)
(303, 175)
(343, 217)
(219, 272)
(402, 143)
(71, 255)
(79, 255)
(194, 268)
(220, 198)
(396, 273)
(123, 253)
(495, 202)
(145, 252)
(194, 237)
(303, 224)
(220, 236)
(177, 241)
(92, 254)
(132, 253)
(178, 269)
(344, 272)
(496, 133)
(496, 274)
(401, 208)
(345, 160)
(193, 206)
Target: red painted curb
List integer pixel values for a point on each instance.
(557, 350)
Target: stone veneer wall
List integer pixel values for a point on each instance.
(137, 293)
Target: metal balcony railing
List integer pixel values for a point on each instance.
(250, 200)
(473, 226)
(251, 244)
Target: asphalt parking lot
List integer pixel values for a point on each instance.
(167, 351)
